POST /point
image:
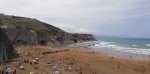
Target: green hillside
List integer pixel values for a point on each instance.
(25, 23)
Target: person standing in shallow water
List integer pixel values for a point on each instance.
(130, 56)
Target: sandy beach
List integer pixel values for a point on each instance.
(73, 60)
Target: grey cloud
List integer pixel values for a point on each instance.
(83, 16)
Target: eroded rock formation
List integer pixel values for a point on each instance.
(44, 37)
(6, 49)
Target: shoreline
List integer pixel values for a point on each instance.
(113, 52)
(122, 54)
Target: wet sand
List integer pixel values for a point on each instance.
(84, 59)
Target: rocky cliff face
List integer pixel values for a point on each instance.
(6, 49)
(64, 38)
(46, 38)
(83, 37)
(18, 36)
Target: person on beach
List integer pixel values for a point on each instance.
(130, 56)
(3, 70)
(143, 56)
(30, 63)
(80, 72)
(36, 67)
(14, 72)
(94, 73)
(118, 66)
(60, 59)
(80, 68)
(41, 56)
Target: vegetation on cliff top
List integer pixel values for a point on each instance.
(26, 23)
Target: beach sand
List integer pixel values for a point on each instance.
(79, 58)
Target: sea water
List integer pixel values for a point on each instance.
(120, 47)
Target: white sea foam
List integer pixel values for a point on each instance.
(134, 45)
(84, 42)
(147, 44)
(112, 46)
(124, 49)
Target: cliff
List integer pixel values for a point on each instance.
(44, 37)
(23, 30)
(6, 49)
(27, 31)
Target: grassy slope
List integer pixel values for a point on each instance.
(26, 23)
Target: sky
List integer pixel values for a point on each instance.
(122, 18)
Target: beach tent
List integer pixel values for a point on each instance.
(56, 72)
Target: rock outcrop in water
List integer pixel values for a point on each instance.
(6, 48)
(44, 37)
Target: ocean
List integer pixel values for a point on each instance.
(120, 47)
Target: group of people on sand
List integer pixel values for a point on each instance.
(7, 70)
(20, 63)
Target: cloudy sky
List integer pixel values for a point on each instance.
(123, 18)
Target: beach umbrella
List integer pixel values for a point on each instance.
(56, 72)
(21, 67)
(70, 68)
(9, 71)
(37, 59)
(32, 72)
(54, 67)
(33, 60)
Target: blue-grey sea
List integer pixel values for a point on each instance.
(120, 47)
